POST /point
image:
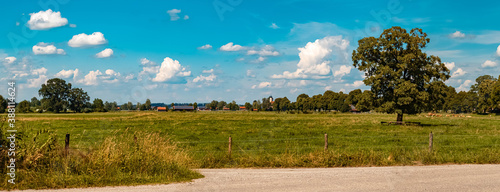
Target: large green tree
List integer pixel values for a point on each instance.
(78, 100)
(3, 104)
(23, 107)
(55, 94)
(98, 105)
(398, 71)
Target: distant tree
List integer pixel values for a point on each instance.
(124, 107)
(354, 96)
(221, 105)
(234, 106)
(266, 104)
(23, 107)
(107, 106)
(398, 71)
(303, 103)
(195, 106)
(172, 106)
(495, 95)
(276, 104)
(284, 104)
(130, 106)
(78, 99)
(365, 101)
(98, 106)
(437, 91)
(248, 106)
(35, 102)
(147, 105)
(256, 105)
(483, 89)
(55, 94)
(3, 104)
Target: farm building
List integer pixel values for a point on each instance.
(161, 109)
(183, 108)
(243, 108)
(203, 108)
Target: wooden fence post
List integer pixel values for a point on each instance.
(431, 138)
(66, 147)
(326, 142)
(230, 143)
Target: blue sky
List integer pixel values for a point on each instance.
(187, 51)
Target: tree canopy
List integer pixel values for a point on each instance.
(399, 72)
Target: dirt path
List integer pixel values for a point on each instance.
(414, 178)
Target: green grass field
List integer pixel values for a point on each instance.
(269, 139)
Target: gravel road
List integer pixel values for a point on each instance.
(408, 178)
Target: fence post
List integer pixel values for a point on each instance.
(230, 143)
(430, 142)
(66, 147)
(326, 142)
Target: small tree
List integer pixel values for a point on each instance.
(23, 107)
(3, 104)
(147, 105)
(98, 106)
(248, 106)
(398, 71)
(78, 99)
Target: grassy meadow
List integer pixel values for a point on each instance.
(103, 150)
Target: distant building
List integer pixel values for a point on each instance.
(243, 108)
(161, 109)
(203, 108)
(353, 109)
(271, 100)
(183, 108)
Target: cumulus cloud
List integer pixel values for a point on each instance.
(110, 76)
(174, 14)
(105, 53)
(72, 25)
(91, 78)
(147, 62)
(47, 49)
(37, 82)
(84, 40)
(202, 78)
(314, 56)
(449, 65)
(45, 20)
(207, 46)
(231, 47)
(274, 26)
(457, 35)
(208, 71)
(355, 84)
(459, 72)
(170, 69)
(267, 50)
(489, 64)
(262, 85)
(67, 73)
(39, 71)
(498, 50)
(344, 70)
(465, 86)
(9, 60)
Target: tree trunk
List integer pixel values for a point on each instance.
(400, 118)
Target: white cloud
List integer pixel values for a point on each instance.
(250, 73)
(274, 26)
(314, 58)
(105, 53)
(355, 84)
(67, 73)
(457, 35)
(147, 62)
(207, 46)
(129, 77)
(91, 78)
(465, 86)
(262, 85)
(47, 49)
(449, 65)
(110, 76)
(169, 69)
(186, 17)
(44, 20)
(295, 83)
(344, 70)
(84, 40)
(40, 71)
(32, 83)
(201, 78)
(208, 71)
(459, 72)
(498, 50)
(267, 50)
(231, 47)
(9, 60)
(489, 64)
(72, 25)
(174, 14)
